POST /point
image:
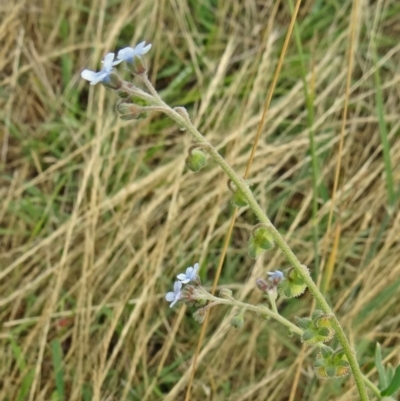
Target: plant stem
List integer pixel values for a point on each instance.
(279, 240)
(263, 310)
(372, 387)
(273, 303)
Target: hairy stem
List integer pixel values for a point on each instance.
(263, 310)
(279, 240)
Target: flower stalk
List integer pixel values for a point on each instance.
(153, 102)
(278, 239)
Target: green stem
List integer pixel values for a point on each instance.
(372, 387)
(263, 310)
(273, 303)
(279, 240)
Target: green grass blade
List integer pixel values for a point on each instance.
(313, 152)
(379, 366)
(394, 384)
(57, 356)
(380, 110)
(25, 385)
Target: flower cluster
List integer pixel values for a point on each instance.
(128, 54)
(183, 278)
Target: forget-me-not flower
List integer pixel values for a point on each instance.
(190, 275)
(103, 75)
(275, 276)
(174, 296)
(129, 53)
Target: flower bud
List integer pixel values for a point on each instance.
(331, 364)
(293, 285)
(131, 111)
(137, 66)
(239, 199)
(253, 249)
(200, 315)
(238, 321)
(226, 293)
(316, 330)
(262, 284)
(196, 160)
(182, 112)
(263, 238)
(113, 82)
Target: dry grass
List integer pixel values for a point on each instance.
(99, 215)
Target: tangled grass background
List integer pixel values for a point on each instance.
(98, 215)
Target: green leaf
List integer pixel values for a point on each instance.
(394, 384)
(324, 332)
(304, 322)
(25, 385)
(308, 336)
(383, 381)
(326, 352)
(317, 313)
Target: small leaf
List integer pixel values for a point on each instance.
(339, 355)
(316, 314)
(304, 322)
(331, 372)
(394, 384)
(237, 321)
(308, 336)
(324, 332)
(326, 352)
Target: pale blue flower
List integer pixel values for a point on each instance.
(275, 276)
(174, 296)
(103, 75)
(129, 53)
(190, 275)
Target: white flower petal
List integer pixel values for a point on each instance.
(181, 276)
(88, 75)
(195, 268)
(126, 53)
(116, 62)
(189, 271)
(108, 61)
(145, 49)
(139, 47)
(174, 302)
(100, 77)
(177, 286)
(170, 296)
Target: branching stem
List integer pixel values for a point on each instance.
(301, 270)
